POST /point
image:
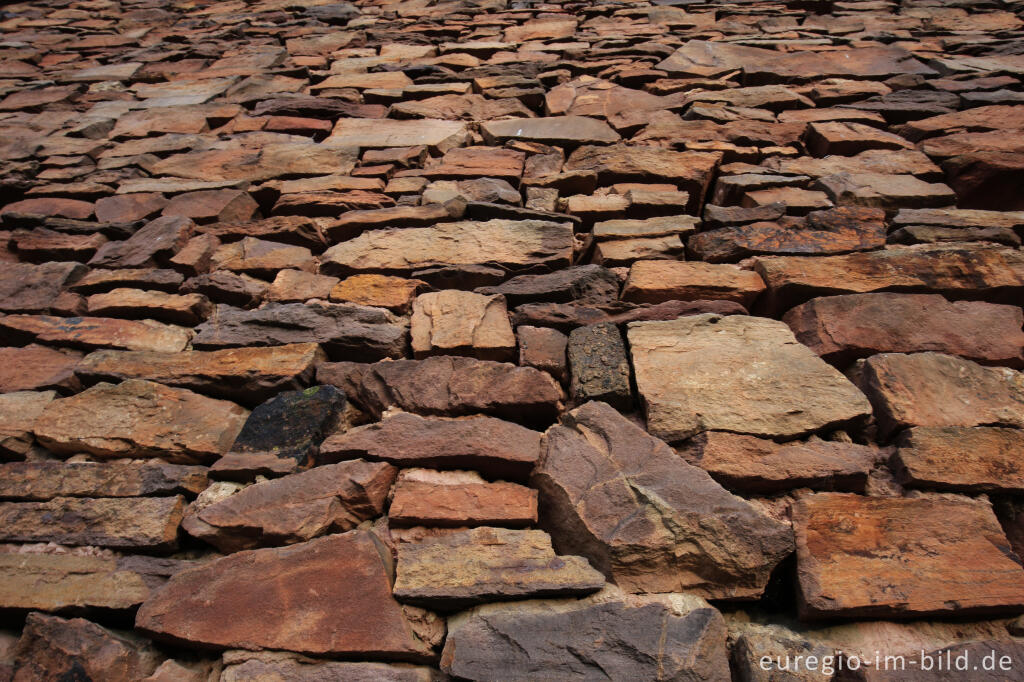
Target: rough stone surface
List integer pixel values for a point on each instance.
(330, 583)
(47, 479)
(766, 382)
(646, 518)
(459, 498)
(598, 366)
(453, 322)
(846, 567)
(653, 281)
(484, 564)
(959, 458)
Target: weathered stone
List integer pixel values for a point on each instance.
(885, 191)
(570, 130)
(291, 425)
(641, 514)
(578, 283)
(497, 448)
(138, 418)
(843, 328)
(567, 316)
(865, 62)
(127, 208)
(18, 414)
(509, 244)
(690, 171)
(955, 271)
(146, 523)
(976, 119)
(544, 349)
(329, 585)
(246, 667)
(328, 499)
(394, 293)
(847, 567)
(374, 133)
(959, 218)
(599, 368)
(710, 59)
(454, 386)
(98, 280)
(185, 309)
(987, 180)
(151, 246)
(355, 331)
(214, 205)
(931, 234)
(96, 332)
(38, 368)
(51, 206)
(27, 288)
(845, 138)
(459, 498)
(261, 258)
(454, 571)
(453, 322)
(53, 648)
(352, 223)
(760, 653)
(766, 383)
(296, 286)
(931, 389)
(227, 288)
(653, 281)
(663, 637)
(757, 465)
(973, 460)
(45, 480)
(267, 162)
(244, 375)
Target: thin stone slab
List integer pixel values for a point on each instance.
(89, 333)
(370, 133)
(981, 459)
(45, 480)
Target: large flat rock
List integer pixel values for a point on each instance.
(509, 244)
(48, 479)
(642, 514)
(863, 557)
(736, 373)
(256, 599)
(961, 458)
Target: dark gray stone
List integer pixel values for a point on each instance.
(598, 365)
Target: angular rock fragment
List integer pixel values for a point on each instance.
(244, 375)
(958, 458)
(45, 480)
(381, 291)
(932, 389)
(139, 418)
(186, 309)
(454, 571)
(508, 244)
(653, 281)
(145, 523)
(333, 498)
(452, 322)
(375, 133)
(591, 283)
(885, 191)
(765, 382)
(27, 288)
(58, 649)
(599, 368)
(565, 130)
(753, 465)
(38, 368)
(647, 519)
(843, 328)
(847, 568)
(253, 599)
(544, 349)
(96, 332)
(458, 499)
(608, 635)
(245, 667)
(355, 331)
(18, 414)
(497, 448)
(151, 246)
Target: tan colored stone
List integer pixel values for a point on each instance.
(97, 332)
(394, 293)
(18, 414)
(453, 322)
(48, 479)
(459, 498)
(374, 133)
(659, 281)
(959, 458)
(37, 368)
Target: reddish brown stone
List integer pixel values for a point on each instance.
(659, 281)
(153, 245)
(382, 291)
(844, 328)
(987, 180)
(34, 368)
(847, 567)
(29, 288)
(967, 459)
(431, 498)
(96, 332)
(216, 205)
(127, 208)
(48, 479)
(329, 585)
(51, 206)
(544, 349)
(184, 309)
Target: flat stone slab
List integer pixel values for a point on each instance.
(47, 479)
(961, 458)
(765, 382)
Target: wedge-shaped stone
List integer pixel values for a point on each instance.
(932, 389)
(38, 368)
(146, 523)
(710, 59)
(753, 465)
(53, 648)
(18, 414)
(451, 572)
(353, 331)
(27, 288)
(875, 557)
(497, 448)
(138, 418)
(245, 375)
(186, 309)
(454, 386)
(96, 332)
(296, 508)
(71, 582)
(372, 133)
(153, 245)
(843, 328)
(45, 480)
(647, 519)
(453, 322)
(459, 499)
(736, 373)
(255, 599)
(969, 459)
(625, 637)
(509, 244)
(956, 271)
(561, 130)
